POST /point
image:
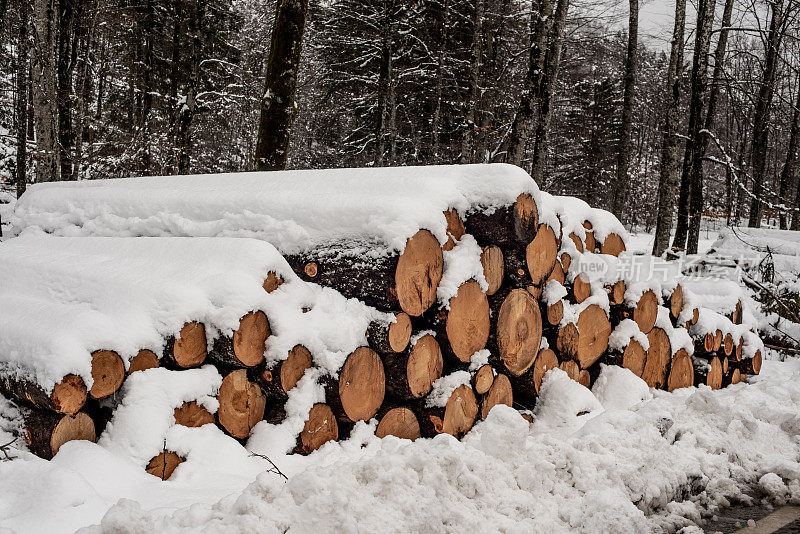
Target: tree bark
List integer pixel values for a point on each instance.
(69, 11)
(278, 107)
(48, 167)
(789, 164)
(22, 101)
(467, 139)
(385, 85)
(624, 155)
(705, 21)
(758, 159)
(186, 109)
(551, 66)
(541, 22)
(436, 124)
(84, 90)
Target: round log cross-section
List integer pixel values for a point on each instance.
(108, 372)
(164, 464)
(616, 292)
(634, 357)
(460, 412)
(541, 253)
(482, 379)
(581, 288)
(45, 432)
(676, 301)
(499, 393)
(587, 340)
(272, 282)
(681, 373)
(467, 324)
(390, 337)
(455, 229)
(493, 268)
(250, 340)
(658, 358)
(418, 273)
(192, 415)
(189, 349)
(145, 359)
(519, 331)
(362, 384)
(545, 361)
(612, 245)
(320, 428)
(241, 404)
(69, 395)
(411, 375)
(646, 311)
(399, 422)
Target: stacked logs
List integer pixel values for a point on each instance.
(434, 367)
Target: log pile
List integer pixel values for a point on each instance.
(441, 359)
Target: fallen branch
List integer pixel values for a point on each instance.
(274, 468)
(5, 447)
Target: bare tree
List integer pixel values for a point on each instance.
(629, 82)
(476, 53)
(670, 139)
(45, 99)
(789, 166)
(278, 104)
(21, 111)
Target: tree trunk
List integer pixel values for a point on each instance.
(670, 140)
(787, 173)
(468, 135)
(696, 199)
(48, 167)
(629, 81)
(22, 101)
(705, 22)
(187, 108)
(758, 159)
(278, 108)
(84, 90)
(69, 11)
(45, 432)
(551, 66)
(384, 85)
(541, 22)
(436, 124)
(67, 397)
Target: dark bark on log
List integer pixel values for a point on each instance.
(67, 397)
(45, 432)
(507, 226)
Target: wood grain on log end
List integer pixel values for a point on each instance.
(676, 301)
(45, 432)
(482, 379)
(241, 404)
(581, 288)
(540, 254)
(634, 357)
(658, 358)
(616, 292)
(646, 311)
(612, 245)
(571, 368)
(587, 340)
(545, 361)
(577, 240)
(250, 339)
(272, 282)
(192, 415)
(493, 268)
(499, 393)
(681, 373)
(108, 372)
(69, 395)
(190, 348)
(467, 324)
(526, 218)
(362, 384)
(145, 359)
(320, 428)
(455, 229)
(164, 464)
(418, 273)
(519, 331)
(460, 412)
(399, 422)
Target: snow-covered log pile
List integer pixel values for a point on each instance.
(421, 297)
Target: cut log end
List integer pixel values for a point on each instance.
(557, 274)
(320, 428)
(581, 288)
(676, 302)
(145, 359)
(250, 339)
(467, 324)
(646, 311)
(585, 379)
(519, 331)
(294, 367)
(586, 341)
(418, 273)
(634, 358)
(455, 229)
(69, 395)
(577, 240)
(311, 269)
(192, 415)
(572, 369)
(499, 393)
(45, 432)
(362, 384)
(400, 332)
(483, 379)
(658, 358)
(190, 349)
(493, 268)
(526, 218)
(241, 404)
(108, 372)
(541, 253)
(272, 282)
(555, 312)
(616, 292)
(590, 242)
(164, 464)
(460, 412)
(612, 245)
(545, 361)
(424, 367)
(681, 374)
(399, 422)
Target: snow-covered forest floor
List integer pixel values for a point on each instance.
(621, 458)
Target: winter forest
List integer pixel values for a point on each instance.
(705, 121)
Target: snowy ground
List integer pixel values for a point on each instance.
(638, 461)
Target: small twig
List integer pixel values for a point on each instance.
(4, 448)
(782, 349)
(274, 468)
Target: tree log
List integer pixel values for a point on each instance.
(272, 282)
(45, 432)
(590, 243)
(507, 226)
(518, 331)
(278, 378)
(400, 422)
(246, 347)
(320, 428)
(708, 372)
(557, 274)
(749, 366)
(676, 302)
(387, 338)
(411, 374)
(67, 397)
(527, 386)
(632, 357)
(108, 372)
(499, 393)
(466, 325)
(541, 254)
(616, 292)
(189, 349)
(241, 404)
(406, 281)
(456, 418)
(681, 372)
(192, 415)
(577, 240)
(581, 288)
(455, 229)
(483, 379)
(493, 267)
(164, 464)
(734, 376)
(555, 312)
(586, 341)
(658, 358)
(612, 245)
(571, 368)
(359, 392)
(145, 359)
(585, 379)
